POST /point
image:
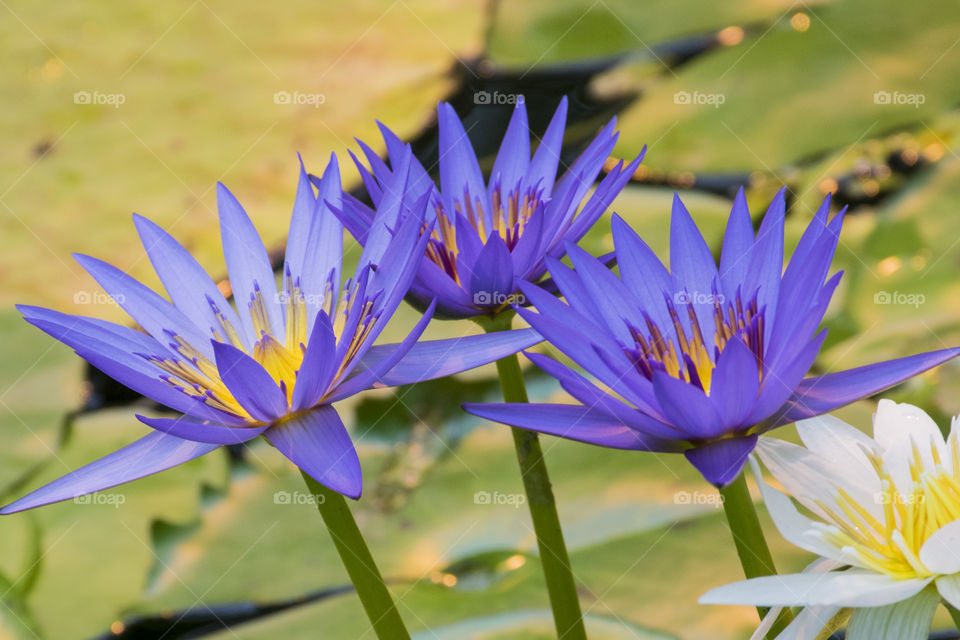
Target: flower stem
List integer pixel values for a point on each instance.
(954, 613)
(363, 572)
(561, 586)
(748, 537)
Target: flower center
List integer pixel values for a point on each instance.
(509, 217)
(910, 517)
(684, 354)
(197, 376)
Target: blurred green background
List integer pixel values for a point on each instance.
(109, 108)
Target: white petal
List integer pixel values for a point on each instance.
(941, 552)
(809, 623)
(842, 445)
(907, 620)
(812, 479)
(949, 588)
(897, 428)
(792, 525)
(810, 620)
(853, 588)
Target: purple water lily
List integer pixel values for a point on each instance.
(273, 365)
(487, 236)
(699, 360)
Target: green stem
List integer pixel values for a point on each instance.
(953, 614)
(554, 559)
(363, 572)
(748, 537)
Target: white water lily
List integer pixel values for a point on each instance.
(886, 518)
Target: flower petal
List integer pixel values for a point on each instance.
(318, 443)
(792, 525)
(250, 383)
(941, 552)
(543, 167)
(735, 382)
(431, 359)
(737, 244)
(949, 588)
(460, 176)
(493, 275)
(157, 316)
(822, 394)
(514, 155)
(851, 588)
(186, 282)
(899, 428)
(692, 264)
(721, 461)
(148, 455)
(906, 620)
(248, 264)
(687, 407)
(188, 428)
(318, 366)
(571, 421)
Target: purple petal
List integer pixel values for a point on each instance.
(611, 298)
(318, 443)
(116, 354)
(148, 455)
(433, 359)
(687, 407)
(780, 384)
(692, 265)
(247, 263)
(737, 243)
(720, 461)
(571, 421)
(514, 155)
(149, 310)
(588, 394)
(188, 428)
(493, 275)
(250, 384)
(824, 393)
(318, 366)
(766, 262)
(460, 175)
(543, 167)
(372, 376)
(736, 381)
(604, 195)
(315, 242)
(186, 282)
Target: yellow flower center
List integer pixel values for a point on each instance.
(509, 219)
(197, 376)
(688, 358)
(910, 517)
